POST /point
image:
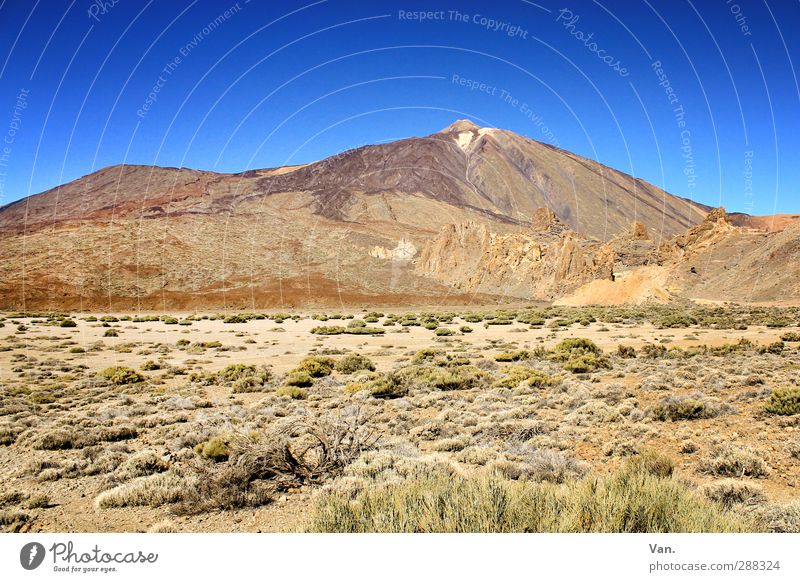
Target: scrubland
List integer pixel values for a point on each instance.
(510, 420)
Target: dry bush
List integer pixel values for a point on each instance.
(152, 490)
(688, 408)
(164, 526)
(779, 518)
(730, 492)
(732, 461)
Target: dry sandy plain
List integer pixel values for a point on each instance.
(125, 425)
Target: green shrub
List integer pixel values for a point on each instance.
(784, 401)
(327, 330)
(150, 365)
(298, 378)
(586, 364)
(316, 366)
(121, 375)
(111, 332)
(443, 331)
(386, 387)
(68, 323)
(293, 392)
(352, 363)
(465, 329)
(627, 352)
(464, 377)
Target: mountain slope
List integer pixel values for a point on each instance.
(343, 230)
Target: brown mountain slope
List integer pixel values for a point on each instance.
(345, 230)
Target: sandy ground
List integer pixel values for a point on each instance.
(281, 346)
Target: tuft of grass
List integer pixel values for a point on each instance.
(629, 500)
(152, 490)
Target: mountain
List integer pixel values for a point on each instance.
(457, 216)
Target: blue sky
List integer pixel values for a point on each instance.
(698, 97)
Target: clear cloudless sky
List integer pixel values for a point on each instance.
(700, 97)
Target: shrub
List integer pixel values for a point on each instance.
(327, 330)
(139, 465)
(784, 401)
(234, 319)
(153, 490)
(352, 363)
(730, 461)
(121, 375)
(791, 336)
(443, 331)
(654, 351)
(627, 352)
(779, 518)
(150, 365)
(586, 364)
(730, 492)
(293, 392)
(298, 378)
(516, 375)
(386, 387)
(111, 332)
(463, 377)
(68, 323)
(316, 366)
(572, 348)
(215, 449)
(439, 500)
(512, 356)
(686, 408)
(652, 463)
(465, 329)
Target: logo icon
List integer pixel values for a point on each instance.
(31, 555)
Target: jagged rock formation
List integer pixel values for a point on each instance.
(539, 263)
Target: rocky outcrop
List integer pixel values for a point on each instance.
(404, 251)
(712, 230)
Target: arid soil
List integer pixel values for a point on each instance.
(105, 425)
